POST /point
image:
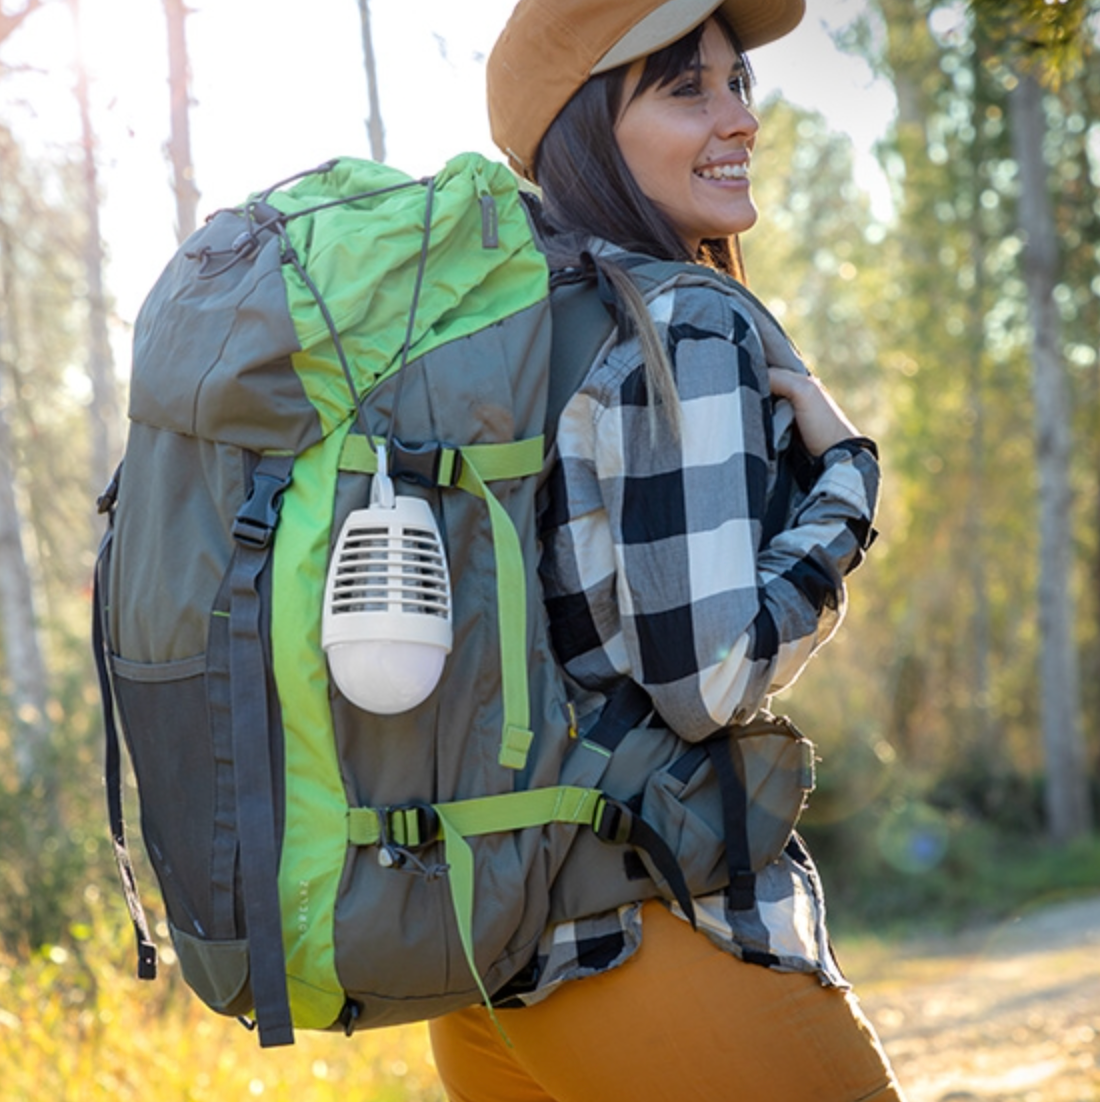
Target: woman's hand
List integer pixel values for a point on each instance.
(820, 420)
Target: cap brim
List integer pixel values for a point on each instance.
(755, 22)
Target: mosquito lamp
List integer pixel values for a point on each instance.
(386, 627)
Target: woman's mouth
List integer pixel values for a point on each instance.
(736, 171)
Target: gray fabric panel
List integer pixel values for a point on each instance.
(163, 586)
(212, 346)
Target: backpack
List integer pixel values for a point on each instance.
(346, 342)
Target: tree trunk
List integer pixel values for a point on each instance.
(23, 656)
(975, 527)
(103, 412)
(985, 730)
(179, 144)
(24, 666)
(1068, 807)
(376, 132)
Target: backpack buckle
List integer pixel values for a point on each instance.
(404, 828)
(107, 500)
(258, 517)
(424, 464)
(614, 822)
(412, 825)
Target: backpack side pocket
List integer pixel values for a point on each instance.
(751, 782)
(678, 789)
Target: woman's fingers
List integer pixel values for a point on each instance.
(821, 421)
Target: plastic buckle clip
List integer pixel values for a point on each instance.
(349, 1016)
(420, 817)
(107, 500)
(258, 517)
(614, 822)
(421, 464)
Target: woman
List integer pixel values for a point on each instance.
(633, 116)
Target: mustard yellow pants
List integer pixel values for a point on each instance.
(681, 1021)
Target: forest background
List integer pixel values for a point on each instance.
(950, 297)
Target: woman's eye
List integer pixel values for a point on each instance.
(686, 88)
(739, 86)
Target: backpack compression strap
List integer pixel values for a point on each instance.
(253, 776)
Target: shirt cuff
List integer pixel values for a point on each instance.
(853, 446)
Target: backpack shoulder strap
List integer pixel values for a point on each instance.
(585, 311)
(583, 320)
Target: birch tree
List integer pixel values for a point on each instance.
(103, 410)
(1067, 784)
(1045, 43)
(376, 132)
(179, 142)
(24, 667)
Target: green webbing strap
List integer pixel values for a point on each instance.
(484, 815)
(494, 462)
(471, 467)
(516, 735)
(358, 455)
(415, 825)
(460, 858)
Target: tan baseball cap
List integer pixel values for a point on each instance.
(549, 48)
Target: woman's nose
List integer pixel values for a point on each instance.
(735, 116)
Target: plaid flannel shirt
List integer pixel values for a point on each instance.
(653, 569)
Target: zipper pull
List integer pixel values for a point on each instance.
(490, 224)
(571, 718)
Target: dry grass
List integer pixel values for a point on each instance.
(74, 1027)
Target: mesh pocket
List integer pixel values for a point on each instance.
(186, 788)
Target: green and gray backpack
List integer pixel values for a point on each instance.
(319, 623)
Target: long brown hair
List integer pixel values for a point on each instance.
(588, 191)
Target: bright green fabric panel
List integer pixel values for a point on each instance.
(314, 846)
(363, 257)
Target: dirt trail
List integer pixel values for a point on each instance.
(1006, 1014)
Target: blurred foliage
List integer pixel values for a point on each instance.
(1048, 36)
